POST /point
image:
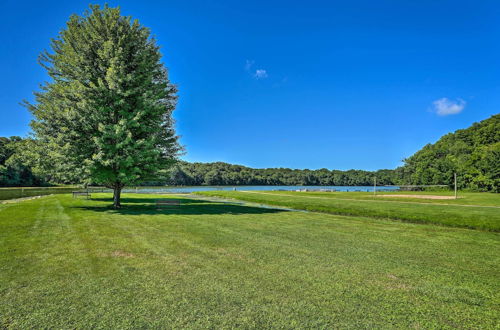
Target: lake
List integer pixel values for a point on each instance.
(17, 192)
(190, 189)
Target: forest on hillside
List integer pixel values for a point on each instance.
(473, 153)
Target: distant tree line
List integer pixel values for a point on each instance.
(226, 174)
(472, 153)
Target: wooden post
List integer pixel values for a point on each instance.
(375, 186)
(455, 175)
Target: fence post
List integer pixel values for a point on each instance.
(375, 186)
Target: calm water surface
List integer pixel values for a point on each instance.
(15, 192)
(262, 188)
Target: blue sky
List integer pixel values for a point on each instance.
(315, 84)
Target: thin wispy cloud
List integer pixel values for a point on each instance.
(260, 74)
(257, 73)
(445, 106)
(248, 65)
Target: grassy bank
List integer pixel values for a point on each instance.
(22, 192)
(67, 263)
(484, 215)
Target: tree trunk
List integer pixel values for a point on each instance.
(117, 190)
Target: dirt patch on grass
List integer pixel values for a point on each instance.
(122, 254)
(418, 196)
(17, 200)
(396, 283)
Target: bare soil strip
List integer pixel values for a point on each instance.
(418, 196)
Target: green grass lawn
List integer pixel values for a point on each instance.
(67, 263)
(484, 215)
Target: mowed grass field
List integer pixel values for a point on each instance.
(68, 263)
(471, 210)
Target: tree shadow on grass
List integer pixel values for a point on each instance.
(149, 201)
(141, 206)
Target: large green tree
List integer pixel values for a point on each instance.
(106, 115)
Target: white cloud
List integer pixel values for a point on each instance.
(445, 106)
(260, 74)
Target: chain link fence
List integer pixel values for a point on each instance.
(22, 192)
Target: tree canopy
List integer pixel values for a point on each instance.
(14, 171)
(473, 153)
(106, 116)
